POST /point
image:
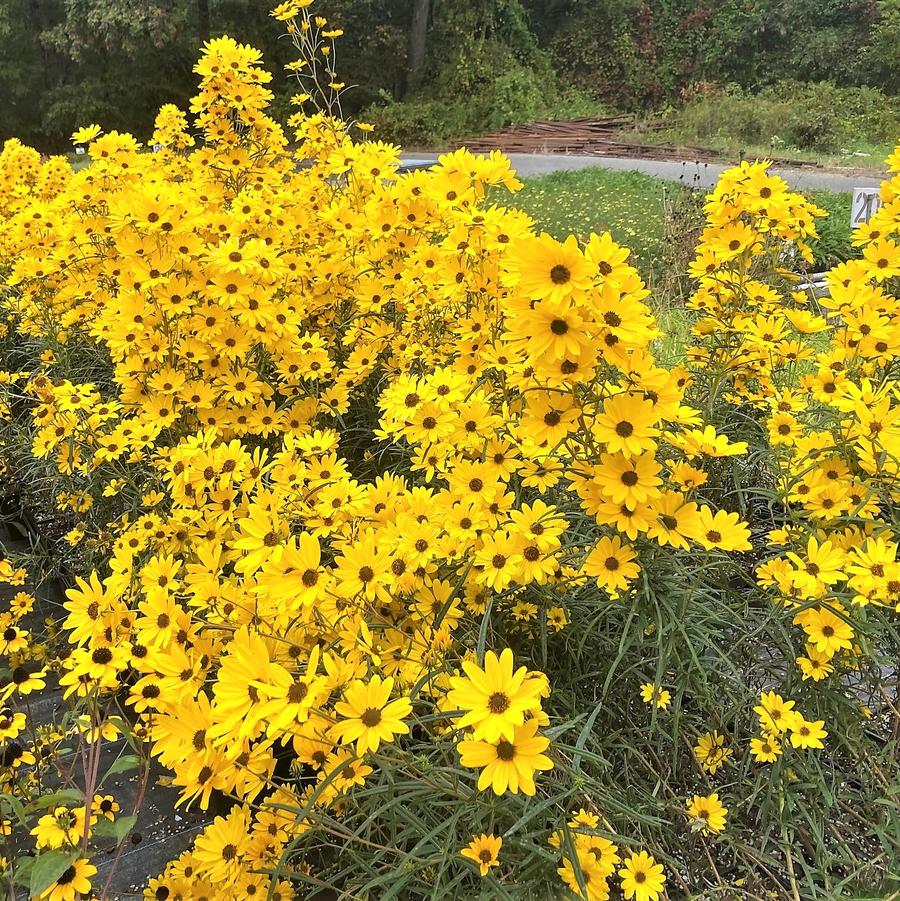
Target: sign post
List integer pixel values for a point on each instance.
(866, 202)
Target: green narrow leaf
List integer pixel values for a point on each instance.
(124, 764)
(66, 796)
(124, 825)
(10, 802)
(583, 737)
(483, 630)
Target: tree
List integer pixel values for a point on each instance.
(418, 38)
(883, 56)
(203, 20)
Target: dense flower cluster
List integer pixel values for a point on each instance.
(821, 374)
(337, 436)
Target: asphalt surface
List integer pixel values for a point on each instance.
(703, 175)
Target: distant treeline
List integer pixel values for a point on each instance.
(436, 65)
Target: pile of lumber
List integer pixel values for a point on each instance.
(544, 136)
(598, 136)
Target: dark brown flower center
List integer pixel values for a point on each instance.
(498, 702)
(371, 717)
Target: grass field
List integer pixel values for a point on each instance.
(629, 205)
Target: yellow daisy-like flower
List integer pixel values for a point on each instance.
(495, 698)
(815, 665)
(722, 530)
(589, 873)
(367, 717)
(219, 848)
(660, 697)
(808, 734)
(711, 752)
(612, 564)
(627, 425)
(775, 714)
(827, 632)
(86, 135)
(285, 11)
(642, 877)
(74, 882)
(544, 268)
(766, 749)
(484, 850)
(508, 765)
(707, 812)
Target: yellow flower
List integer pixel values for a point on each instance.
(709, 443)
(660, 697)
(766, 749)
(62, 827)
(612, 564)
(630, 481)
(707, 812)
(285, 11)
(86, 135)
(711, 752)
(776, 715)
(721, 530)
(484, 850)
(626, 425)
(219, 849)
(807, 734)
(815, 665)
(588, 871)
(74, 882)
(642, 877)
(544, 268)
(508, 765)
(495, 698)
(105, 806)
(828, 633)
(366, 716)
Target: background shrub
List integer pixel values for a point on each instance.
(820, 116)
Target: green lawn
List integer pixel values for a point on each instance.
(629, 205)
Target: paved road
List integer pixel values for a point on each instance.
(701, 174)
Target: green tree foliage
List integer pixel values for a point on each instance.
(112, 58)
(64, 63)
(755, 43)
(643, 53)
(487, 63)
(25, 67)
(883, 54)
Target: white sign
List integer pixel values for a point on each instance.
(865, 204)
